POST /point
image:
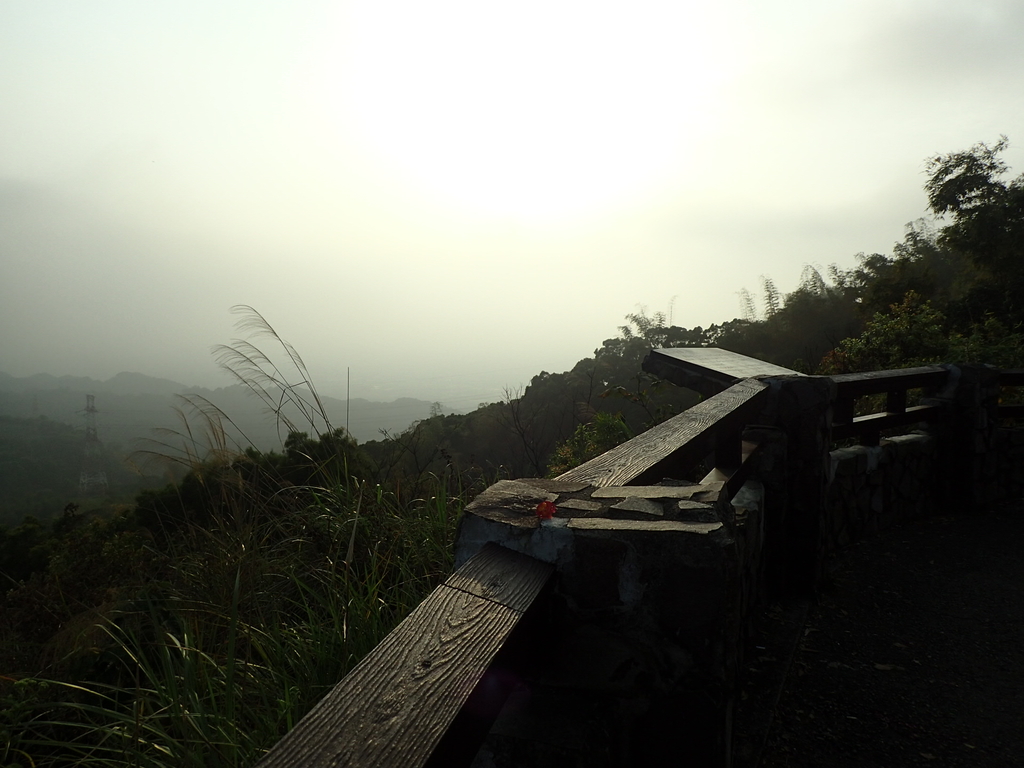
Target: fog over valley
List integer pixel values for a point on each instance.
(132, 409)
(302, 304)
(443, 201)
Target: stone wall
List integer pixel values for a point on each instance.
(656, 591)
(658, 586)
(962, 463)
(873, 488)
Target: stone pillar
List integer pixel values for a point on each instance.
(770, 472)
(647, 623)
(968, 463)
(801, 406)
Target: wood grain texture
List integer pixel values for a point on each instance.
(395, 706)
(502, 576)
(874, 382)
(714, 362)
(668, 449)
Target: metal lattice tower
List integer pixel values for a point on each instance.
(92, 480)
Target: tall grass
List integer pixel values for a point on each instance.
(258, 612)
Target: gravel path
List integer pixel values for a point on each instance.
(913, 655)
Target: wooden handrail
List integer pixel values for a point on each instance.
(876, 382)
(428, 693)
(708, 370)
(672, 447)
(403, 704)
(871, 424)
(1011, 378)
(894, 383)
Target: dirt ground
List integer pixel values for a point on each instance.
(913, 655)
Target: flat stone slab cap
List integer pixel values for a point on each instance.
(641, 506)
(514, 502)
(685, 504)
(581, 505)
(511, 501)
(610, 524)
(517, 495)
(552, 485)
(647, 491)
(703, 492)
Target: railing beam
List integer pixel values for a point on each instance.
(875, 422)
(1007, 380)
(875, 382)
(894, 384)
(672, 447)
(400, 701)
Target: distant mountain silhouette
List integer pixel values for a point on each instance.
(132, 405)
(124, 383)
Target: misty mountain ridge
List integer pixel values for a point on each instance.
(130, 406)
(124, 383)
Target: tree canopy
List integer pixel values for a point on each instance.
(985, 214)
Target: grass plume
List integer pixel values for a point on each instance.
(256, 584)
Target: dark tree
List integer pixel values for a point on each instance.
(986, 222)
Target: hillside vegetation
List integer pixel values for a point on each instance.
(195, 625)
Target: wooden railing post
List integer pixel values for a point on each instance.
(896, 401)
(1009, 380)
(894, 385)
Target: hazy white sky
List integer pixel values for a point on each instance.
(449, 197)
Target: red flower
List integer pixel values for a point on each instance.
(546, 510)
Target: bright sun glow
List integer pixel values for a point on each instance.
(532, 109)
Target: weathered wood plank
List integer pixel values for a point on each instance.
(874, 382)
(873, 423)
(396, 705)
(393, 708)
(503, 576)
(673, 446)
(707, 370)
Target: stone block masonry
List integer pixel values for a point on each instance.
(964, 462)
(873, 488)
(622, 629)
(656, 589)
(657, 585)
